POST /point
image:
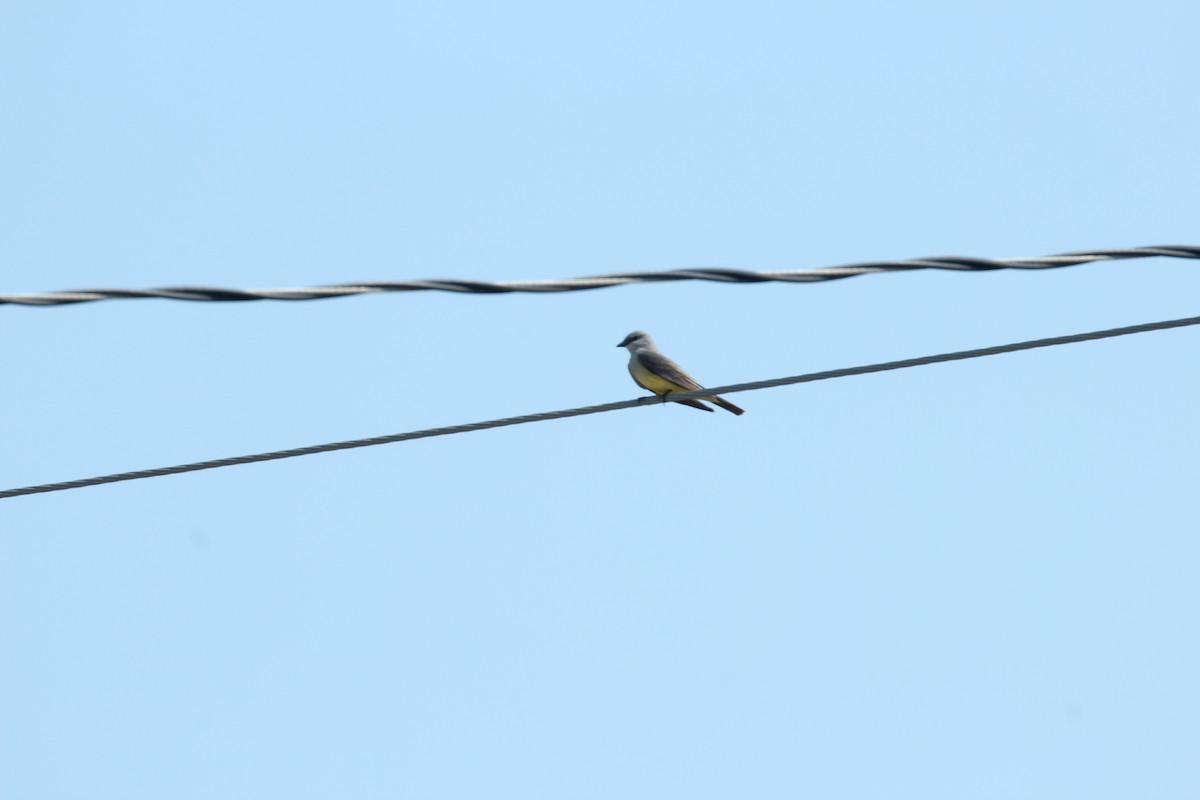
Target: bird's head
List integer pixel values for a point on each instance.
(638, 340)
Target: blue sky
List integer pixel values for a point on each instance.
(966, 580)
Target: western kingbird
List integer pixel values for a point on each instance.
(654, 371)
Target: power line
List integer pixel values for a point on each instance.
(716, 274)
(578, 412)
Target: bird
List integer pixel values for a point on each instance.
(654, 371)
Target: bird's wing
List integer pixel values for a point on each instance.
(667, 369)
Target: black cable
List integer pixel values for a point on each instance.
(576, 412)
(717, 274)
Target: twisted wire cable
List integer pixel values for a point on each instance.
(714, 274)
(577, 412)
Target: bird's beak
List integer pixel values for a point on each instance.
(622, 344)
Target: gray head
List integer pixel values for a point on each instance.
(638, 340)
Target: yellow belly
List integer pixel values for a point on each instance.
(648, 380)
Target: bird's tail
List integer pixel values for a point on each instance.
(725, 404)
(693, 403)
